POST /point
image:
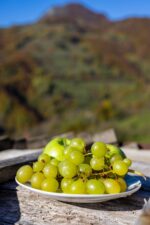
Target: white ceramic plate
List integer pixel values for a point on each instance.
(133, 183)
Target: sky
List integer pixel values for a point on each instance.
(13, 12)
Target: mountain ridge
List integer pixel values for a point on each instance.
(74, 10)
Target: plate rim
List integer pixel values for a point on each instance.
(137, 186)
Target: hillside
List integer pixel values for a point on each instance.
(76, 70)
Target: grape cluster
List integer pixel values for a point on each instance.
(66, 166)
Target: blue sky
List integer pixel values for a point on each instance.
(27, 11)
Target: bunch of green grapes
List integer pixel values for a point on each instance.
(66, 166)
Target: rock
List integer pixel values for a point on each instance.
(144, 218)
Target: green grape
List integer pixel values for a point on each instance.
(67, 151)
(24, 174)
(114, 150)
(38, 166)
(78, 144)
(115, 158)
(37, 179)
(78, 187)
(128, 162)
(50, 171)
(55, 148)
(65, 184)
(123, 184)
(97, 163)
(99, 149)
(120, 168)
(76, 157)
(67, 169)
(94, 186)
(67, 141)
(50, 185)
(54, 162)
(44, 158)
(111, 186)
(85, 169)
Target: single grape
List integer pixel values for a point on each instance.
(99, 149)
(37, 179)
(97, 163)
(24, 174)
(128, 162)
(54, 162)
(78, 144)
(120, 168)
(44, 158)
(67, 151)
(94, 186)
(50, 185)
(111, 186)
(65, 184)
(67, 169)
(85, 169)
(123, 184)
(114, 150)
(78, 187)
(76, 157)
(115, 158)
(50, 171)
(55, 148)
(61, 140)
(67, 141)
(38, 166)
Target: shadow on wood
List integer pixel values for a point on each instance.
(134, 202)
(9, 204)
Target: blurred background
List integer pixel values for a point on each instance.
(75, 66)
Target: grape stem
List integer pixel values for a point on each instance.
(102, 173)
(137, 173)
(89, 153)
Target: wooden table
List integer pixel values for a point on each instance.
(21, 207)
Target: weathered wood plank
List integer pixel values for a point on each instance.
(9, 143)
(11, 160)
(20, 143)
(137, 155)
(142, 167)
(108, 136)
(47, 211)
(42, 211)
(18, 156)
(131, 145)
(86, 136)
(5, 143)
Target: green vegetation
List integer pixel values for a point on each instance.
(66, 74)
